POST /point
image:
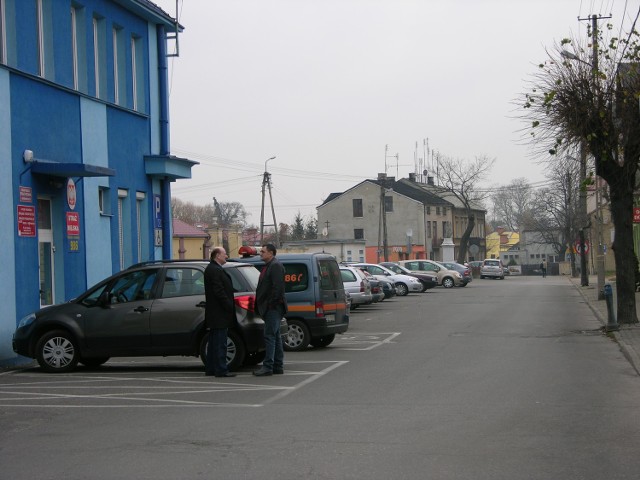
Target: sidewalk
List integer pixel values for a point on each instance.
(628, 336)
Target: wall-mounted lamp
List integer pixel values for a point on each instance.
(27, 156)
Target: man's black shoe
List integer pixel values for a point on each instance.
(263, 372)
(228, 374)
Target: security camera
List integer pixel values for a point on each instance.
(27, 156)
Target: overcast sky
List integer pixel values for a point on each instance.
(325, 85)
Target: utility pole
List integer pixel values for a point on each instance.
(266, 183)
(598, 210)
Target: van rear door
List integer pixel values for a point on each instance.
(332, 291)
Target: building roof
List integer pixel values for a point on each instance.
(183, 229)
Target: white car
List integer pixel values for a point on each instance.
(404, 283)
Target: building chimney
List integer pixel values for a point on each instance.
(382, 176)
(412, 176)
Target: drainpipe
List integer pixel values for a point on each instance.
(165, 185)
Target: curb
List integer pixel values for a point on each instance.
(621, 336)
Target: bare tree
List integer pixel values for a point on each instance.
(512, 203)
(462, 179)
(589, 97)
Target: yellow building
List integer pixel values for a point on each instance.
(189, 242)
(501, 241)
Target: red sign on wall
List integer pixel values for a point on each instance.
(636, 214)
(26, 221)
(73, 224)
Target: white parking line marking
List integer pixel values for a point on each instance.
(100, 388)
(372, 340)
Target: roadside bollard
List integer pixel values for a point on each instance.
(612, 322)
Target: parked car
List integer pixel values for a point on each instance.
(377, 287)
(385, 288)
(154, 308)
(315, 297)
(428, 280)
(357, 285)
(462, 269)
(493, 268)
(446, 278)
(404, 283)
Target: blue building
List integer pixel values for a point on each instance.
(85, 164)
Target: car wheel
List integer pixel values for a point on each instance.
(324, 341)
(297, 337)
(94, 362)
(353, 306)
(236, 351)
(402, 290)
(501, 278)
(424, 287)
(56, 352)
(481, 277)
(448, 282)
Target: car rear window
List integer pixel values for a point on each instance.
(330, 278)
(348, 276)
(492, 263)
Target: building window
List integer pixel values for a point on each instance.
(141, 222)
(429, 229)
(137, 74)
(119, 69)
(444, 210)
(99, 56)
(388, 204)
(45, 39)
(437, 210)
(358, 233)
(3, 32)
(124, 229)
(103, 201)
(78, 48)
(357, 207)
(428, 210)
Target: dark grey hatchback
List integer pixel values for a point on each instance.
(150, 309)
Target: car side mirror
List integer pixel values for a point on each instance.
(104, 300)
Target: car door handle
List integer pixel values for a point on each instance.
(202, 304)
(141, 309)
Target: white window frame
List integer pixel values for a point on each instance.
(122, 195)
(140, 197)
(41, 55)
(116, 73)
(134, 72)
(96, 54)
(74, 46)
(3, 33)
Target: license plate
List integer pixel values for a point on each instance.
(331, 319)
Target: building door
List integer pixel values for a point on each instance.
(45, 252)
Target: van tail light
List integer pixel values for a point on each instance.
(319, 309)
(246, 302)
(362, 287)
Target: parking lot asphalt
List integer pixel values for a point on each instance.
(627, 336)
(156, 382)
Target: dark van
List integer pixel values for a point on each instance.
(315, 297)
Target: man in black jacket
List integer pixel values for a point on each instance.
(271, 305)
(219, 314)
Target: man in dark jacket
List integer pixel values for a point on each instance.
(219, 314)
(271, 305)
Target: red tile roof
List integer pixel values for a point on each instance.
(182, 229)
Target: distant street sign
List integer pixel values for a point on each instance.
(579, 250)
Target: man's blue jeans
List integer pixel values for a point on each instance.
(217, 352)
(274, 354)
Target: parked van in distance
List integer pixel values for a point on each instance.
(492, 267)
(315, 295)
